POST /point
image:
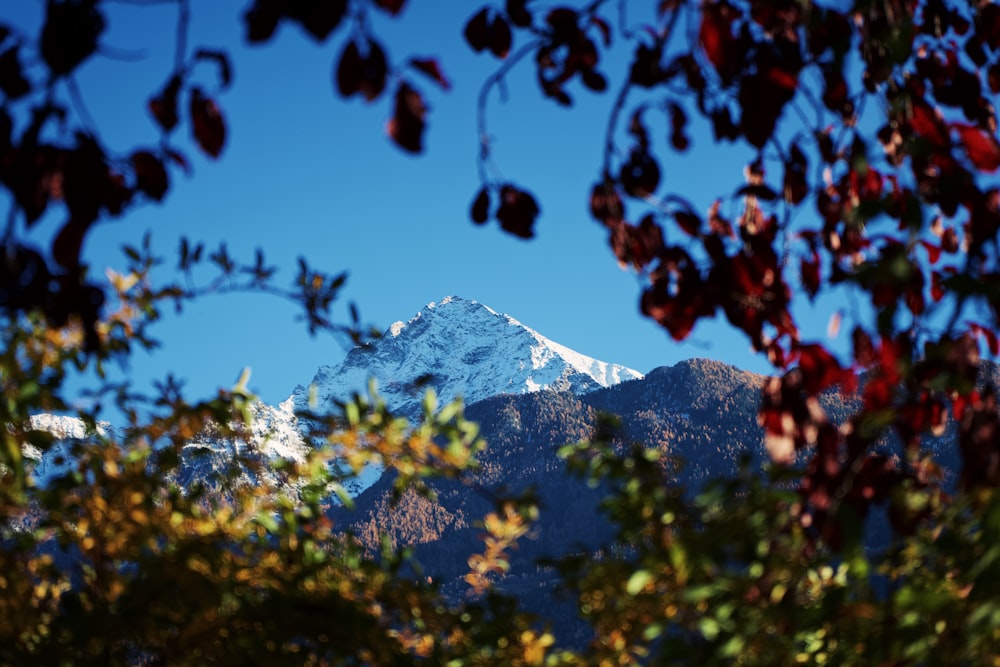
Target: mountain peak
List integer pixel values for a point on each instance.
(450, 307)
(463, 348)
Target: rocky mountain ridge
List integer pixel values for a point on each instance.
(458, 347)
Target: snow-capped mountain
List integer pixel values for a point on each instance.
(56, 460)
(465, 349)
(459, 347)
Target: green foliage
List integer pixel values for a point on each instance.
(733, 578)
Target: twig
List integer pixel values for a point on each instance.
(496, 79)
(81, 107)
(183, 21)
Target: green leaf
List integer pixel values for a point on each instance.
(709, 628)
(638, 581)
(270, 524)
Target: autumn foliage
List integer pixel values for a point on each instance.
(873, 134)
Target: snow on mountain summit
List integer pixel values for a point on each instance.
(459, 347)
(462, 348)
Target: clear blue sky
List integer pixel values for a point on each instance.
(306, 173)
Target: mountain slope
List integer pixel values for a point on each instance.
(461, 348)
(458, 347)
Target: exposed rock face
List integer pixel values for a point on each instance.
(458, 347)
(464, 349)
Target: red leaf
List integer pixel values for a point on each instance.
(150, 175)
(991, 341)
(637, 246)
(12, 81)
(877, 394)
(500, 37)
(221, 59)
(477, 30)
(677, 297)
(431, 68)
(606, 204)
(207, 124)
(374, 72)
(518, 13)
(88, 183)
(365, 75)
(262, 20)
(70, 34)
(349, 70)
(318, 17)
(678, 121)
(563, 22)
(179, 160)
(723, 126)
(933, 251)
(993, 77)
(645, 69)
(688, 222)
(517, 212)
(864, 349)
(480, 210)
(937, 289)
(810, 274)
(664, 6)
(988, 25)
(717, 40)
(949, 240)
(605, 29)
(819, 368)
(795, 185)
(68, 243)
(486, 31)
(718, 224)
(163, 107)
(640, 175)
(981, 147)
(835, 93)
(762, 96)
(928, 125)
(391, 6)
(594, 80)
(406, 127)
(989, 335)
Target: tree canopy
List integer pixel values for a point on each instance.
(874, 140)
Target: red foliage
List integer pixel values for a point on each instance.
(70, 34)
(487, 30)
(163, 107)
(391, 6)
(151, 176)
(431, 68)
(406, 127)
(207, 124)
(517, 211)
(12, 80)
(637, 245)
(981, 147)
(606, 204)
(480, 210)
(717, 39)
(363, 75)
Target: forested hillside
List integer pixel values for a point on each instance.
(700, 414)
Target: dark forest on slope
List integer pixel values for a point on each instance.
(700, 414)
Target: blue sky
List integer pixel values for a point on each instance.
(307, 173)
